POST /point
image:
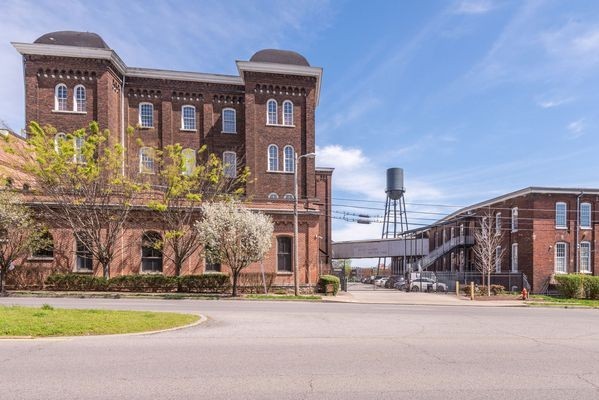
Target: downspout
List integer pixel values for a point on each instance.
(577, 231)
(123, 125)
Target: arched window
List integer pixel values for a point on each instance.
(84, 259)
(287, 112)
(271, 117)
(189, 161)
(229, 119)
(273, 157)
(146, 160)
(289, 161)
(188, 118)
(78, 156)
(60, 97)
(230, 164)
(47, 251)
(146, 115)
(58, 139)
(273, 196)
(79, 97)
(151, 252)
(288, 196)
(284, 254)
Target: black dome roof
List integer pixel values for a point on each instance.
(280, 57)
(72, 38)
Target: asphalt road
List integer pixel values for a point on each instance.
(284, 350)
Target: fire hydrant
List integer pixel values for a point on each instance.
(524, 294)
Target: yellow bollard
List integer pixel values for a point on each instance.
(471, 290)
(457, 288)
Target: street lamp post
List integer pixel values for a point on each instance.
(295, 227)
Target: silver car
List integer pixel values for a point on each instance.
(423, 285)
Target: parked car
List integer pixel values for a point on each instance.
(381, 281)
(426, 284)
(392, 280)
(401, 285)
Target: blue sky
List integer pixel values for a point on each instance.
(473, 98)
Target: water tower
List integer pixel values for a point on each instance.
(395, 220)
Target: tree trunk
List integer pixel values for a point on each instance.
(489, 284)
(177, 274)
(2, 283)
(105, 269)
(235, 275)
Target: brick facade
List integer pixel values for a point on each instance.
(113, 95)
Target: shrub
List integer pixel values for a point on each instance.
(206, 283)
(497, 289)
(591, 287)
(325, 280)
(76, 282)
(143, 283)
(570, 286)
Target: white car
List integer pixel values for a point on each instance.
(381, 281)
(423, 284)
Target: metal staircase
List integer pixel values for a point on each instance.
(446, 247)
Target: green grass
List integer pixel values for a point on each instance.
(48, 321)
(282, 297)
(551, 300)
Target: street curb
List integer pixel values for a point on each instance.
(201, 320)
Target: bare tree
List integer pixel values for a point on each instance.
(20, 234)
(183, 185)
(233, 235)
(487, 249)
(78, 181)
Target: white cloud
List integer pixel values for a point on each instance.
(576, 128)
(554, 102)
(474, 7)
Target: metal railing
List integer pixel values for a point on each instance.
(449, 245)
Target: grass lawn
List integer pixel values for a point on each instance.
(282, 297)
(48, 321)
(541, 299)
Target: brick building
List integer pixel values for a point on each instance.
(260, 118)
(545, 231)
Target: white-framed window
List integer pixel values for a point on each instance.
(273, 157)
(146, 115)
(189, 161)
(515, 219)
(60, 97)
(229, 118)
(514, 257)
(585, 215)
(78, 156)
(498, 259)
(188, 118)
(288, 196)
(84, 258)
(230, 164)
(560, 215)
(561, 254)
(498, 224)
(585, 256)
(146, 160)
(287, 112)
(289, 159)
(271, 112)
(79, 98)
(58, 140)
(273, 196)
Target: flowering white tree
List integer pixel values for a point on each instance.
(20, 234)
(487, 250)
(233, 235)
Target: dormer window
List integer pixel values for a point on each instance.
(146, 115)
(271, 118)
(60, 97)
(229, 119)
(79, 99)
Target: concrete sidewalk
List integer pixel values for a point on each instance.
(390, 296)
